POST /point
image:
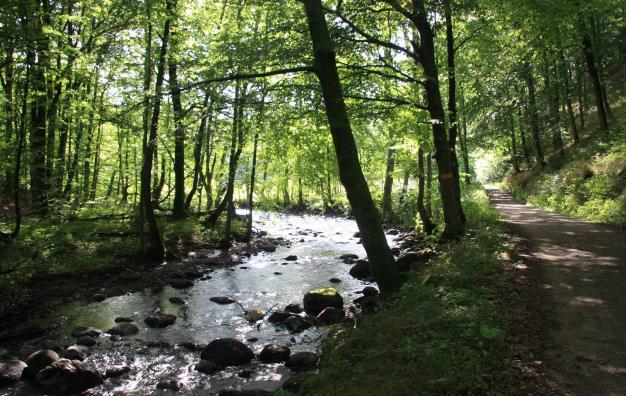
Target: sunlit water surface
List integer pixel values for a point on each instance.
(316, 240)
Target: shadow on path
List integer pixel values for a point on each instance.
(582, 268)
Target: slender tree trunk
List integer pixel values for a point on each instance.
(533, 115)
(251, 190)
(388, 185)
(567, 86)
(179, 209)
(429, 185)
(96, 165)
(8, 112)
(405, 185)
(514, 156)
(581, 101)
(38, 179)
(464, 150)
(554, 115)
(197, 151)
(522, 130)
(232, 166)
(156, 250)
(594, 75)
(382, 263)
(421, 209)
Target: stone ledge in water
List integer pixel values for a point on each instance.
(124, 319)
(160, 320)
(172, 384)
(123, 329)
(291, 257)
(348, 256)
(316, 300)
(294, 308)
(116, 371)
(11, 371)
(227, 352)
(64, 377)
(273, 353)
(302, 361)
(279, 316)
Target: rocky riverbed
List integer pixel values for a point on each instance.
(211, 329)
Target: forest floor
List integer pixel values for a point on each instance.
(580, 268)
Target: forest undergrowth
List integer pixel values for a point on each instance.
(453, 328)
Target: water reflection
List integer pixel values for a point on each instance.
(317, 241)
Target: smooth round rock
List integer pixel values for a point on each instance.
(330, 315)
(227, 352)
(11, 371)
(68, 377)
(207, 367)
(86, 341)
(39, 360)
(273, 353)
(80, 331)
(123, 329)
(302, 361)
(160, 320)
(316, 300)
(222, 300)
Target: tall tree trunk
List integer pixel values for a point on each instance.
(382, 263)
(581, 100)
(514, 156)
(522, 131)
(421, 209)
(197, 150)
(96, 165)
(232, 164)
(452, 210)
(594, 75)
(156, 250)
(429, 185)
(38, 179)
(179, 209)
(251, 190)
(566, 76)
(464, 150)
(452, 108)
(388, 185)
(554, 114)
(8, 113)
(533, 115)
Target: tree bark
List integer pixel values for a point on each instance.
(595, 79)
(522, 131)
(156, 250)
(421, 209)
(382, 263)
(197, 150)
(388, 185)
(179, 209)
(452, 210)
(452, 108)
(533, 115)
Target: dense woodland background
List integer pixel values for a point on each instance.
(120, 116)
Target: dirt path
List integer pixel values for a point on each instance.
(582, 268)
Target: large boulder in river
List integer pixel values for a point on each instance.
(66, 377)
(227, 352)
(38, 361)
(160, 320)
(302, 361)
(273, 353)
(11, 371)
(330, 315)
(123, 329)
(361, 270)
(315, 301)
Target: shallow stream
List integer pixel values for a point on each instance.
(261, 281)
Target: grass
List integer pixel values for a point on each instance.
(57, 246)
(445, 332)
(590, 185)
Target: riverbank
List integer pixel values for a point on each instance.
(462, 325)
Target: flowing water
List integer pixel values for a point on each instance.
(261, 281)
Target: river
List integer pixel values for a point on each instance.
(260, 281)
